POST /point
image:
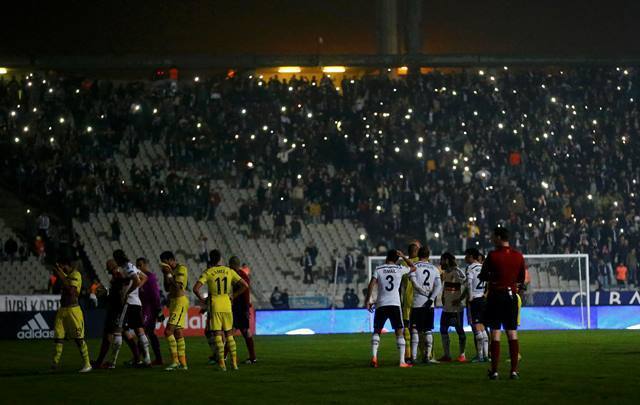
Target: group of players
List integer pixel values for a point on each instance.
(406, 294)
(134, 308)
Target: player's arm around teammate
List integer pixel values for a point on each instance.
(175, 278)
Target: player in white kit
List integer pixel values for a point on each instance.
(426, 287)
(476, 290)
(387, 277)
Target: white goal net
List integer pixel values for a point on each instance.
(567, 272)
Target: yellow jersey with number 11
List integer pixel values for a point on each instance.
(220, 281)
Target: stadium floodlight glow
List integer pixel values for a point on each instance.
(505, 68)
(466, 168)
(447, 149)
(89, 128)
(155, 111)
(25, 129)
(626, 72)
(198, 125)
(289, 69)
(29, 84)
(500, 125)
(243, 111)
(61, 120)
(437, 235)
(3, 70)
(283, 108)
(299, 176)
(545, 185)
(265, 128)
(406, 140)
(589, 197)
(363, 236)
(196, 79)
(378, 208)
(455, 161)
(285, 140)
(250, 165)
(52, 140)
(420, 139)
(553, 99)
(198, 187)
(396, 149)
(309, 115)
(269, 184)
(407, 117)
(615, 203)
(419, 155)
(492, 78)
(290, 88)
(236, 136)
(594, 122)
(28, 211)
(16, 139)
(481, 72)
(334, 69)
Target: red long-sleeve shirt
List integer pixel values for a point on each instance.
(503, 268)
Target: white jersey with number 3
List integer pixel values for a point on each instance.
(475, 286)
(389, 277)
(425, 276)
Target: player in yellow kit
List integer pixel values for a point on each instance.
(175, 283)
(69, 322)
(407, 299)
(220, 281)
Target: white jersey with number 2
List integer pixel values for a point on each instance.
(389, 277)
(474, 284)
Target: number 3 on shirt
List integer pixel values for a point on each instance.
(390, 280)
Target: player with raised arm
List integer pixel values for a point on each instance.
(426, 287)
(406, 293)
(454, 291)
(241, 311)
(131, 316)
(504, 271)
(220, 281)
(387, 277)
(175, 277)
(476, 289)
(69, 321)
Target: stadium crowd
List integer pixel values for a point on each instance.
(550, 153)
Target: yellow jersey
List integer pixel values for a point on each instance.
(181, 275)
(407, 293)
(220, 281)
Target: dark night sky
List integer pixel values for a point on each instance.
(544, 27)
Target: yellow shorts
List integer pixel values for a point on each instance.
(178, 308)
(69, 323)
(221, 321)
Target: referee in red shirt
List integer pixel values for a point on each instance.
(504, 272)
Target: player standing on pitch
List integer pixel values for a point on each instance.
(426, 287)
(453, 294)
(176, 278)
(406, 293)
(476, 289)
(387, 306)
(503, 270)
(241, 309)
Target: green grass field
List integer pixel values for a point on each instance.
(576, 367)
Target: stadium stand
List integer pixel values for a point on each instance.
(23, 275)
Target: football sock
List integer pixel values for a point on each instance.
(414, 344)
(407, 336)
(231, 344)
(134, 348)
(173, 348)
(375, 343)
(220, 347)
(401, 343)
(251, 347)
(84, 353)
(477, 338)
(445, 344)
(57, 354)
(104, 349)
(144, 341)
(182, 351)
(155, 345)
(485, 344)
(495, 355)
(115, 348)
(462, 342)
(211, 339)
(428, 338)
(514, 348)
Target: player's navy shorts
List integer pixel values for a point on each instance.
(131, 317)
(451, 319)
(240, 317)
(477, 310)
(422, 318)
(390, 312)
(502, 310)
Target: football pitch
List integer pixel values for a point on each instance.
(562, 367)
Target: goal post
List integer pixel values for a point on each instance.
(547, 272)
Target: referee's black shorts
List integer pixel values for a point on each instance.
(502, 310)
(240, 317)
